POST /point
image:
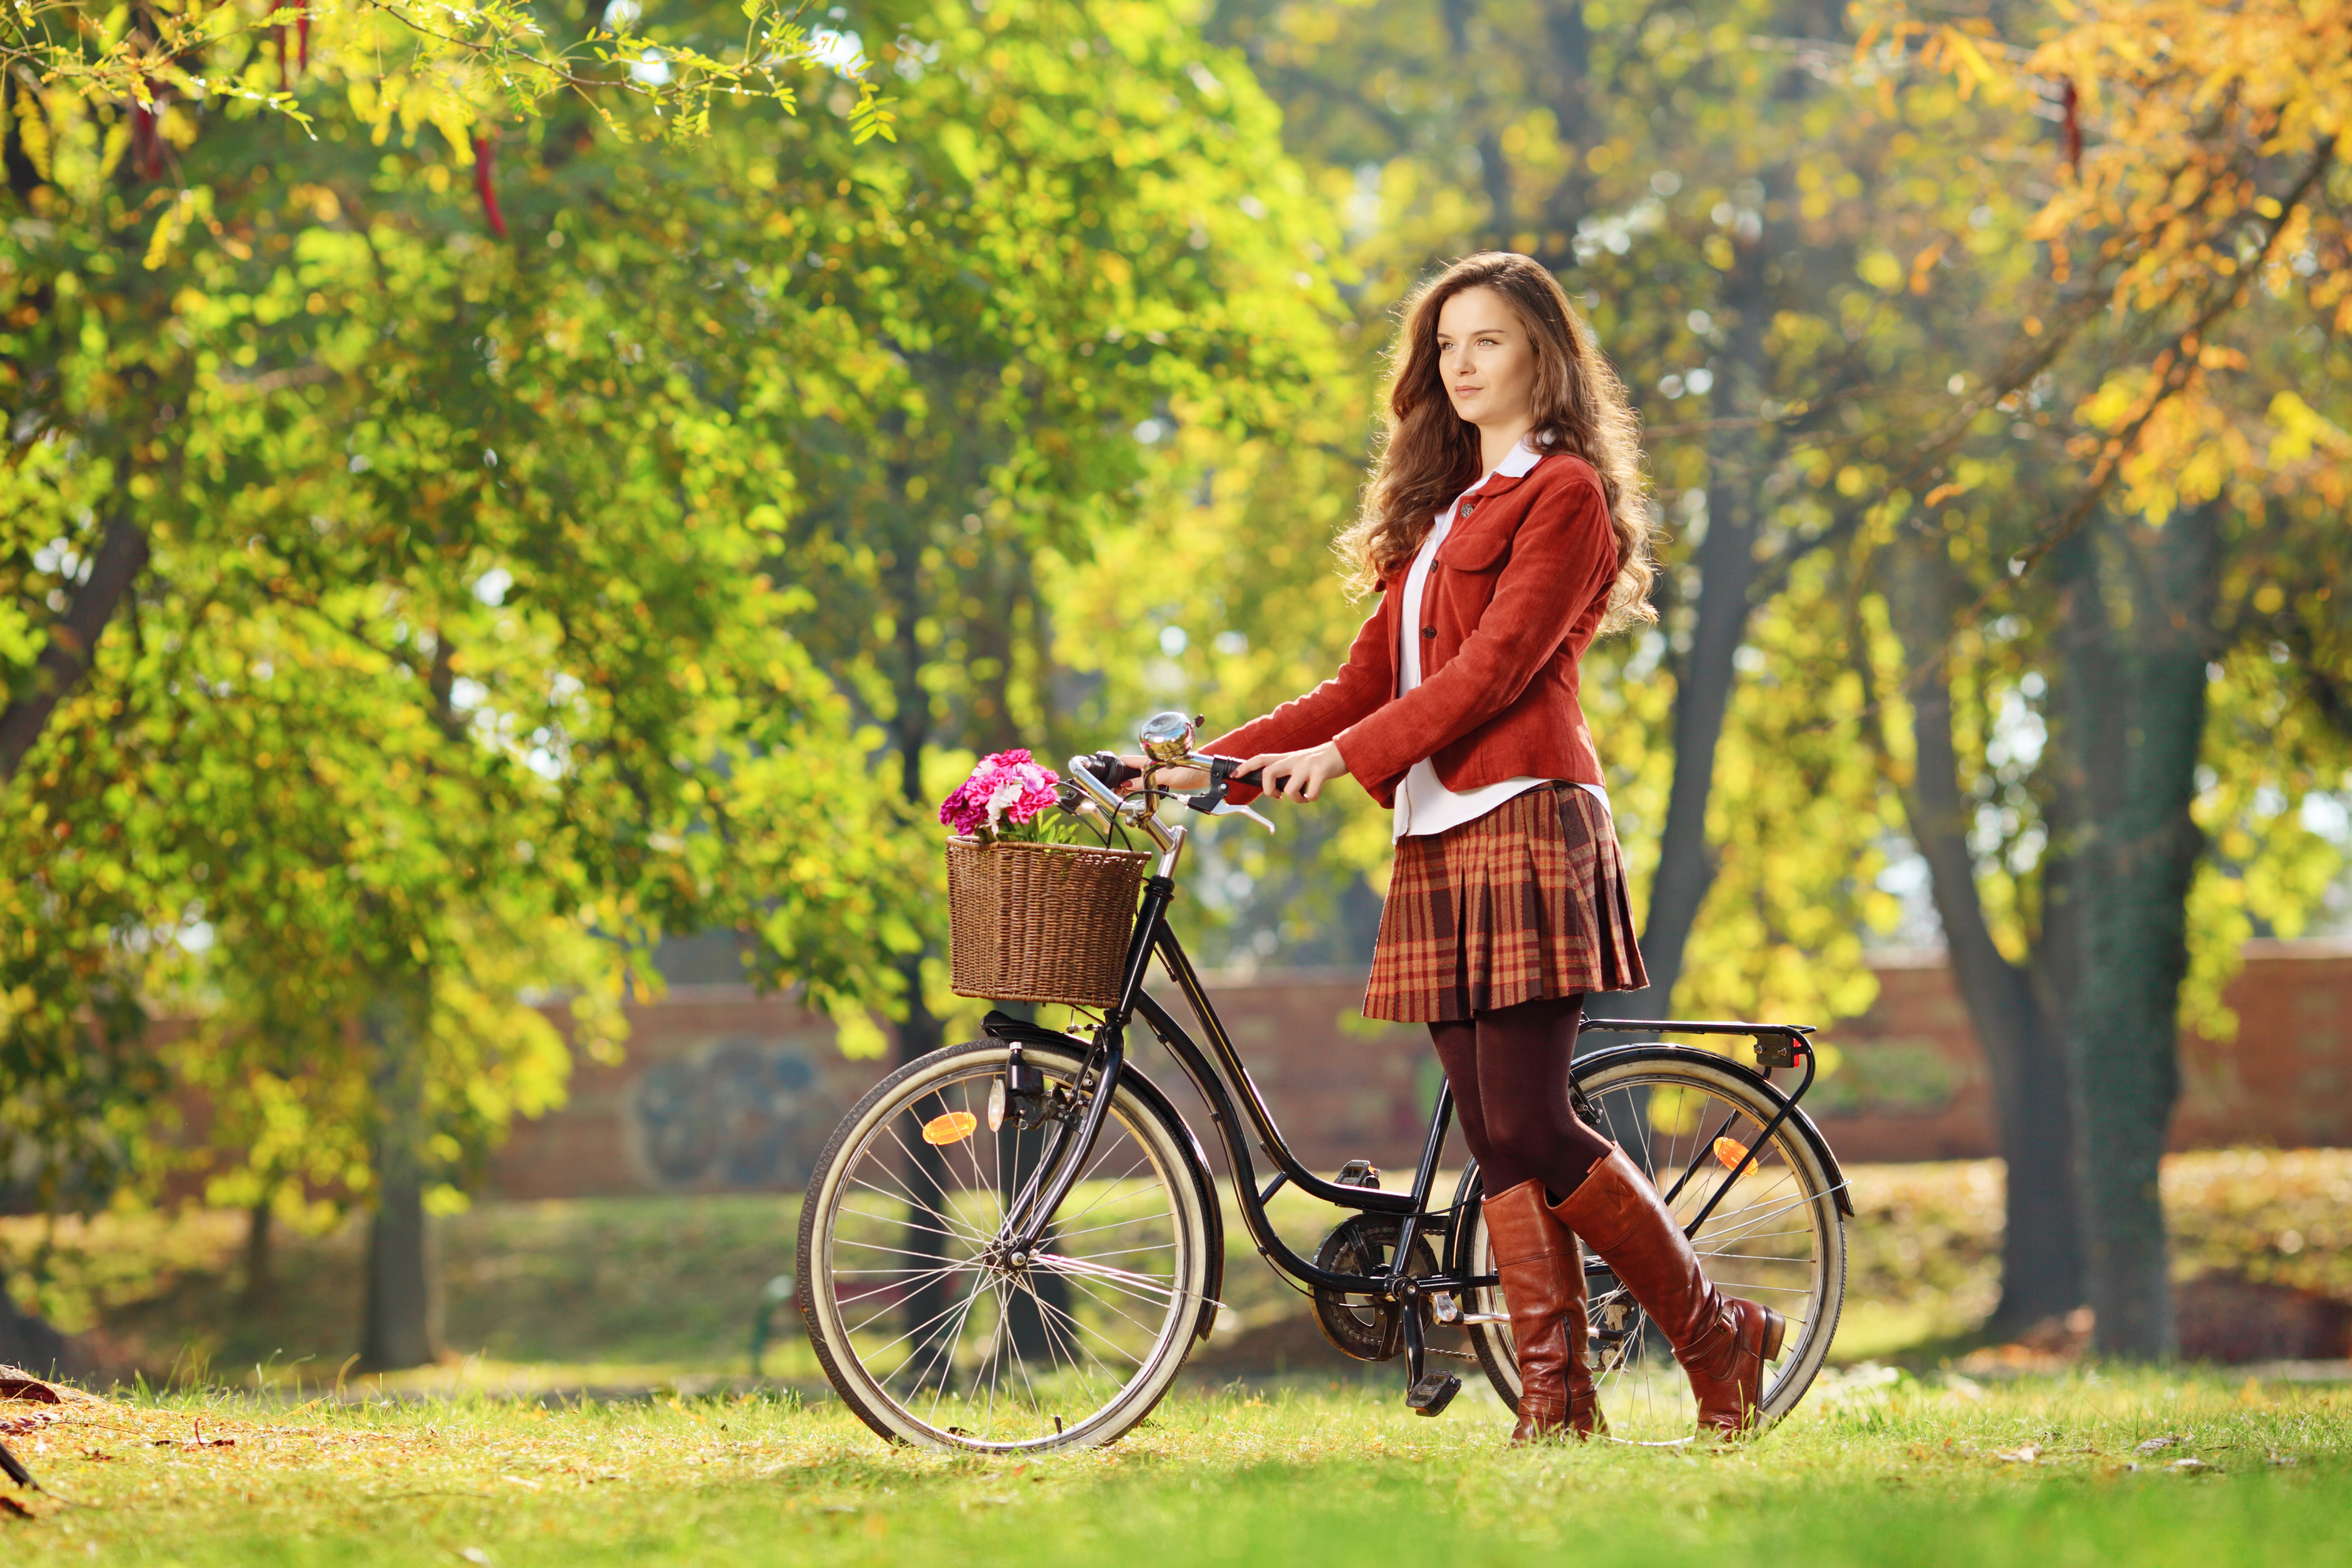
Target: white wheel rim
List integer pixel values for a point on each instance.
(1063, 1351)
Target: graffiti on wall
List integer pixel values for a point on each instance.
(741, 1112)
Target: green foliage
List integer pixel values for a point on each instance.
(149, 73)
(1932, 363)
(512, 604)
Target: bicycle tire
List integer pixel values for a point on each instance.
(1810, 1192)
(1140, 1128)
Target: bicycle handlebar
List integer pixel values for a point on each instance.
(1100, 775)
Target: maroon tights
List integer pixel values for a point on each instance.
(1509, 1071)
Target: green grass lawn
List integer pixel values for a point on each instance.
(616, 1292)
(1941, 1470)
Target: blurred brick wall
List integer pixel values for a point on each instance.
(727, 1091)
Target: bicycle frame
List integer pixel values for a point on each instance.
(1225, 1087)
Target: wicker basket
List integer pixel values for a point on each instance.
(1041, 922)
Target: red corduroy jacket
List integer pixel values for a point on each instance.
(1513, 597)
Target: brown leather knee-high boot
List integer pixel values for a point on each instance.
(1543, 1284)
(1722, 1342)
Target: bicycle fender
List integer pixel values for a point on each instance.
(1004, 1027)
(1797, 1117)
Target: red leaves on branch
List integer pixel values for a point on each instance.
(302, 33)
(485, 189)
(147, 139)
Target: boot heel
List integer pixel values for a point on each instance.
(1776, 1329)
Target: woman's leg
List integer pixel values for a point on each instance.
(1525, 1057)
(1722, 1342)
(1541, 1269)
(1457, 1053)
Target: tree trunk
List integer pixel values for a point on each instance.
(1707, 676)
(2138, 622)
(1572, 112)
(28, 1342)
(259, 1283)
(73, 640)
(2042, 1255)
(403, 1317)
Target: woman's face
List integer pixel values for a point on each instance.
(1484, 354)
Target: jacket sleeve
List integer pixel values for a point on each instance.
(1563, 555)
(1364, 682)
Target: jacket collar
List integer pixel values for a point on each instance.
(1523, 460)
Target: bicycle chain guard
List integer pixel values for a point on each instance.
(1359, 1326)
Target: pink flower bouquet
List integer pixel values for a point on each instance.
(1006, 797)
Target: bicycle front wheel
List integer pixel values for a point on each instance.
(1774, 1236)
(928, 1325)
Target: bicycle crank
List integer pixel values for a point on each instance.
(1366, 1327)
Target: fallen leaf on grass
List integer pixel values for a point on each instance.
(2154, 1444)
(2188, 1467)
(2026, 1456)
(15, 1385)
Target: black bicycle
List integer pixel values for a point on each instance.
(1037, 1285)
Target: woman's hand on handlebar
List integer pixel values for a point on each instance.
(1184, 781)
(1298, 776)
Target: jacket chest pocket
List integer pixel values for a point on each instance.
(1482, 549)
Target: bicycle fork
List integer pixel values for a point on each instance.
(1030, 1214)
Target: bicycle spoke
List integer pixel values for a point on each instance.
(885, 1311)
(1078, 1334)
(1087, 1285)
(912, 1224)
(1020, 1357)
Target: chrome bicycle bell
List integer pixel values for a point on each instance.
(1166, 737)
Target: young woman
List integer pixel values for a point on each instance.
(1505, 528)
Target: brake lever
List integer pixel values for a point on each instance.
(1211, 801)
(1230, 809)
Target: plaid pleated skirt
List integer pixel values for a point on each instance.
(1525, 903)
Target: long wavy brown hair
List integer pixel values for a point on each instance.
(1430, 453)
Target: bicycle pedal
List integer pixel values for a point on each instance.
(1433, 1394)
(1359, 1173)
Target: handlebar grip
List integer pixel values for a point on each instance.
(1109, 771)
(1221, 772)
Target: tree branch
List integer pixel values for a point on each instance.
(73, 640)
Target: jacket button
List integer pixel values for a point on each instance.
(1468, 506)
(1429, 631)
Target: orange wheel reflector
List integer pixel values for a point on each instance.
(953, 1127)
(1730, 1150)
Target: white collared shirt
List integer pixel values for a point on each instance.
(1423, 804)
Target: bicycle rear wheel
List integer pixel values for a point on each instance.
(1776, 1237)
(923, 1320)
